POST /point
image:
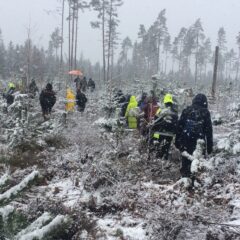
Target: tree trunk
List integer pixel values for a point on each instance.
(69, 38)
(62, 25)
(76, 38)
(73, 36)
(109, 42)
(166, 58)
(236, 78)
(214, 83)
(103, 42)
(196, 63)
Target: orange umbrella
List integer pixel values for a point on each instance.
(75, 72)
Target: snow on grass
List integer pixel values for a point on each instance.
(103, 121)
(128, 227)
(236, 148)
(4, 179)
(6, 211)
(43, 232)
(68, 193)
(19, 187)
(37, 224)
(183, 182)
(224, 144)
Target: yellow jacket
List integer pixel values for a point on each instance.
(70, 100)
(132, 121)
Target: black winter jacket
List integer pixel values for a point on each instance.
(183, 141)
(81, 99)
(47, 99)
(166, 121)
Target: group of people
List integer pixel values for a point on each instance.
(83, 84)
(48, 96)
(160, 125)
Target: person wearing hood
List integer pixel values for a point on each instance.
(91, 85)
(195, 123)
(70, 97)
(47, 100)
(130, 115)
(81, 100)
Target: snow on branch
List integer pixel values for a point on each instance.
(46, 230)
(37, 224)
(4, 179)
(6, 211)
(19, 187)
(197, 157)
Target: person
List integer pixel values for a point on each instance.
(150, 108)
(9, 95)
(33, 88)
(70, 97)
(194, 123)
(91, 85)
(77, 81)
(83, 84)
(81, 100)
(123, 102)
(130, 115)
(47, 100)
(164, 127)
(143, 101)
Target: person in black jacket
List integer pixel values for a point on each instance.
(9, 95)
(91, 85)
(83, 84)
(77, 81)
(194, 123)
(81, 100)
(164, 127)
(47, 100)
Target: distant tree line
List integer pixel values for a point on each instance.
(187, 57)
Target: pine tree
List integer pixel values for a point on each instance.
(222, 49)
(2, 57)
(238, 59)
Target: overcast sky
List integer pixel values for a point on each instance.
(15, 16)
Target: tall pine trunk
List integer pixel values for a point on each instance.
(103, 42)
(69, 38)
(73, 32)
(109, 42)
(62, 25)
(76, 38)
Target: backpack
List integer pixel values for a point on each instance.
(193, 128)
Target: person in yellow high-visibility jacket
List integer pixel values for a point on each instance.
(131, 118)
(70, 100)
